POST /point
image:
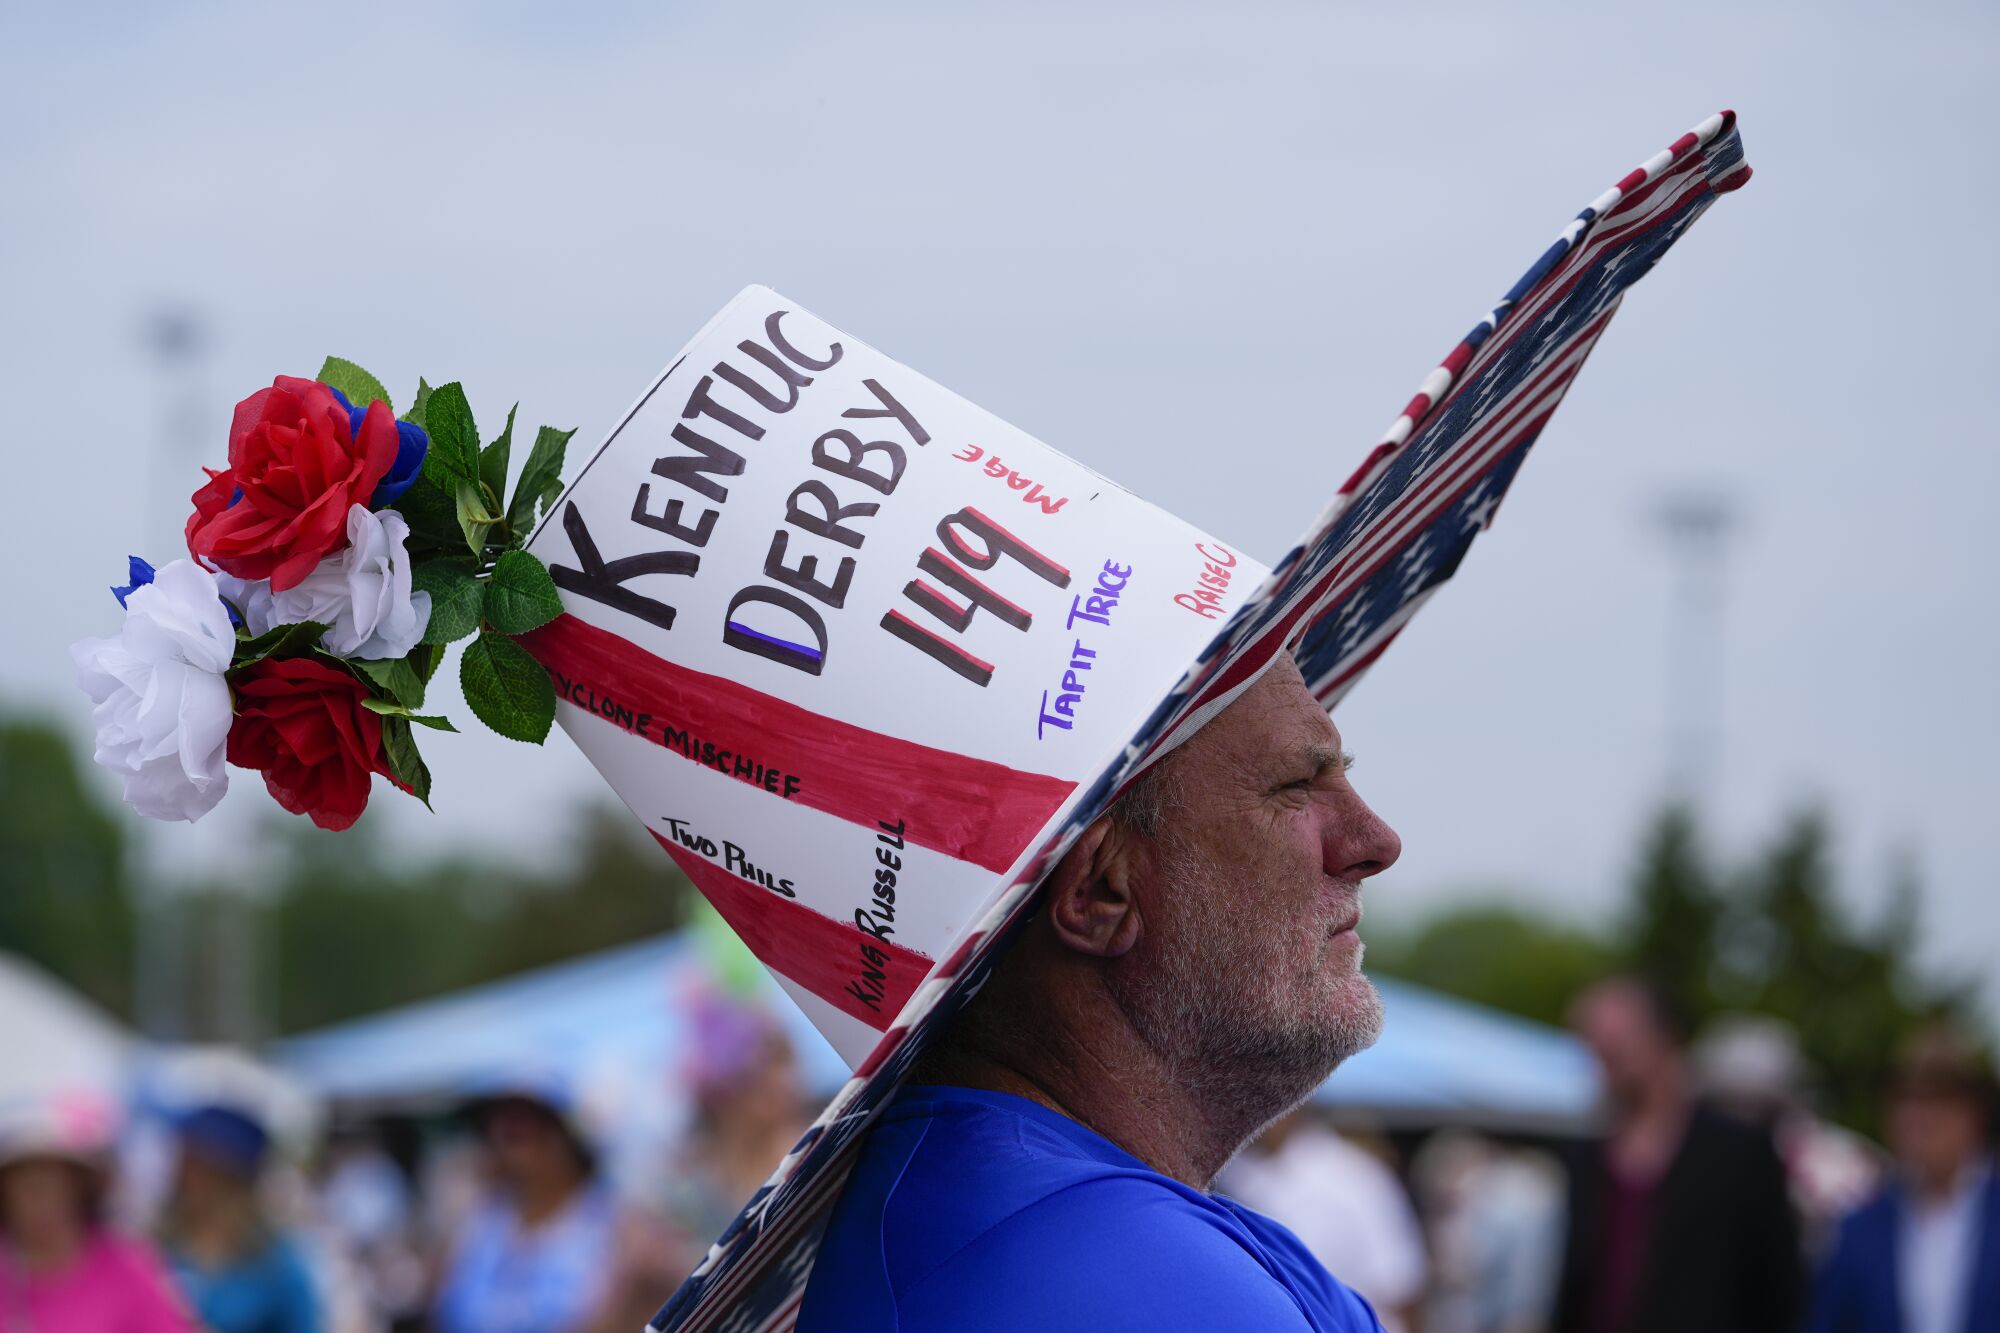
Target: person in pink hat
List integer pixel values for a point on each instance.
(63, 1267)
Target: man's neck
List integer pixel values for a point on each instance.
(1647, 1134)
(1117, 1088)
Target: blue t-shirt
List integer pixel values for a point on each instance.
(267, 1291)
(971, 1210)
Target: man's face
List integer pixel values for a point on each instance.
(1617, 1023)
(1248, 973)
(1934, 1133)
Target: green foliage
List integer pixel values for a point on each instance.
(432, 513)
(1497, 955)
(507, 689)
(66, 903)
(474, 517)
(350, 931)
(279, 641)
(1675, 911)
(405, 764)
(337, 927)
(456, 598)
(420, 408)
(520, 596)
(541, 480)
(493, 459)
(1769, 936)
(453, 457)
(398, 678)
(360, 387)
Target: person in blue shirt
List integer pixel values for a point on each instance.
(1192, 973)
(239, 1272)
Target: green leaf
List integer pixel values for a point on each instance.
(454, 453)
(360, 387)
(541, 481)
(399, 747)
(474, 518)
(432, 720)
(424, 659)
(456, 595)
(398, 677)
(493, 458)
(385, 707)
(520, 595)
(278, 641)
(507, 689)
(415, 415)
(432, 513)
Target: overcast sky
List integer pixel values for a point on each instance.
(1208, 251)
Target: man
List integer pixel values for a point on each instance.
(1924, 1256)
(1679, 1217)
(1193, 973)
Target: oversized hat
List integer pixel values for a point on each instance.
(865, 658)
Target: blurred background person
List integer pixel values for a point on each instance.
(1495, 1215)
(365, 1206)
(1344, 1203)
(1679, 1216)
(550, 1248)
(240, 1271)
(1924, 1255)
(1750, 1065)
(749, 1110)
(63, 1268)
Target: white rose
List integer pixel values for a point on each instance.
(362, 594)
(250, 597)
(162, 707)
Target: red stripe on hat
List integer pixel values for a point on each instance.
(970, 809)
(818, 952)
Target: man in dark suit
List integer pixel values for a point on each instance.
(1679, 1217)
(1924, 1255)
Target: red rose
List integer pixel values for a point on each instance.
(296, 466)
(301, 723)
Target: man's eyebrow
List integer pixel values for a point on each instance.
(1323, 757)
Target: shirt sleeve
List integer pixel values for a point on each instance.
(1115, 1255)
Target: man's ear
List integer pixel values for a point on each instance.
(1089, 900)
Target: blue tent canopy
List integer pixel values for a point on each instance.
(1440, 1060)
(1446, 1061)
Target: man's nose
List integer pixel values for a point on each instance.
(1360, 842)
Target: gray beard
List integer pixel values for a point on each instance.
(1213, 1008)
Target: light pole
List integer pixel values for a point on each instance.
(1697, 525)
(176, 341)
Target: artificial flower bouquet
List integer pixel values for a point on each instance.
(328, 567)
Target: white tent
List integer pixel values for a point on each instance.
(54, 1041)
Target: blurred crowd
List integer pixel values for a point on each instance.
(502, 1215)
(1711, 1197)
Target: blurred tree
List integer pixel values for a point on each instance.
(620, 887)
(1776, 940)
(65, 901)
(1496, 955)
(351, 931)
(1672, 930)
(1853, 993)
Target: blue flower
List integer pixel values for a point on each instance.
(139, 572)
(411, 446)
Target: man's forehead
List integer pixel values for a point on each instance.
(1277, 715)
